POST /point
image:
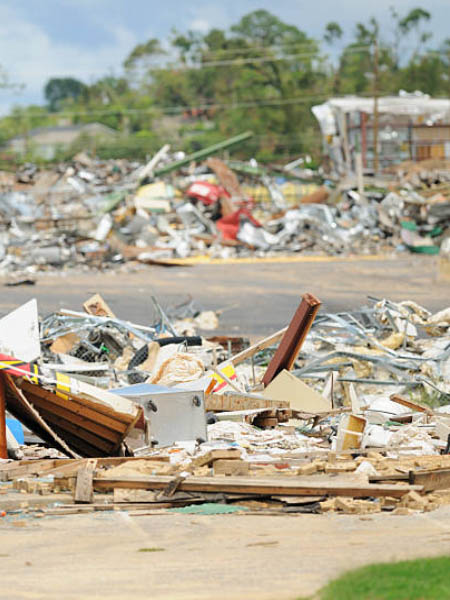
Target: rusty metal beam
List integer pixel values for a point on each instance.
(294, 337)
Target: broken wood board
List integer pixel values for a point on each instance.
(231, 401)
(233, 467)
(84, 491)
(269, 487)
(93, 422)
(98, 307)
(438, 479)
(146, 497)
(216, 454)
(412, 405)
(66, 466)
(293, 339)
(287, 387)
(19, 406)
(32, 468)
(255, 348)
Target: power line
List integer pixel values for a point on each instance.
(251, 103)
(245, 61)
(176, 109)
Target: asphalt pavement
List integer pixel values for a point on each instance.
(256, 298)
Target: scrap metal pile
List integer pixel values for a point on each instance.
(347, 412)
(92, 214)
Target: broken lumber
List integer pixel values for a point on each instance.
(439, 479)
(412, 405)
(293, 339)
(269, 487)
(231, 401)
(84, 491)
(237, 359)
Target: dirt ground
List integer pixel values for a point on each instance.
(222, 557)
(229, 556)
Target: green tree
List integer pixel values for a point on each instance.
(57, 90)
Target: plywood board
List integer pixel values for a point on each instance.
(300, 396)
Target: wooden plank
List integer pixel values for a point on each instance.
(85, 448)
(34, 468)
(261, 345)
(438, 479)
(76, 408)
(82, 401)
(145, 497)
(67, 470)
(231, 467)
(216, 454)
(3, 441)
(81, 421)
(411, 405)
(20, 407)
(393, 477)
(234, 401)
(84, 491)
(293, 339)
(68, 427)
(270, 487)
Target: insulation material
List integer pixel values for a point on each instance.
(179, 368)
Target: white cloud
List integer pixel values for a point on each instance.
(30, 56)
(201, 25)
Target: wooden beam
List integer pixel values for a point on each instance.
(270, 487)
(89, 424)
(293, 339)
(231, 401)
(76, 407)
(19, 405)
(30, 468)
(411, 405)
(438, 479)
(261, 345)
(82, 434)
(83, 401)
(84, 491)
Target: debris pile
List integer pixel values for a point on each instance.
(93, 214)
(344, 412)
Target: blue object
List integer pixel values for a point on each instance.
(16, 429)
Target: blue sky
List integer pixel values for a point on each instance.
(40, 39)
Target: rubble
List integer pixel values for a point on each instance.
(98, 215)
(351, 413)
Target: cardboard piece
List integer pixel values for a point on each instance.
(97, 306)
(301, 397)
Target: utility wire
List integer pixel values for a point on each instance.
(251, 103)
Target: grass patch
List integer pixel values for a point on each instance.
(155, 549)
(426, 579)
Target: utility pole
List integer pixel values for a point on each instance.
(376, 89)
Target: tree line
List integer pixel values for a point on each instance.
(261, 74)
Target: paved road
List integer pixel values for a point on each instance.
(258, 298)
(225, 557)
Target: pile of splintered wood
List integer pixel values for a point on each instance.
(287, 485)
